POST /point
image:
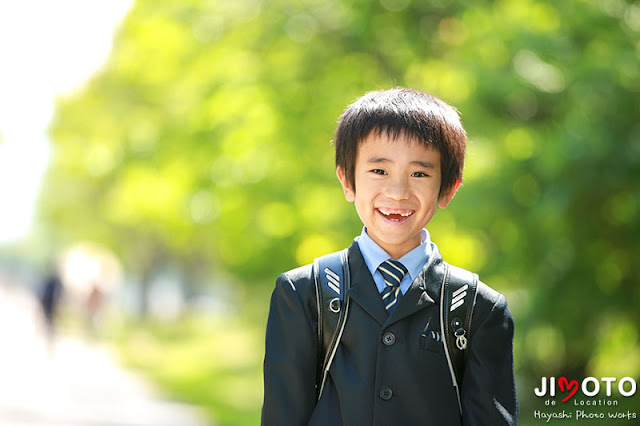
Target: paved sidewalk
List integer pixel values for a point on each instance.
(74, 383)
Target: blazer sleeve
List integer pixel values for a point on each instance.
(290, 354)
(488, 387)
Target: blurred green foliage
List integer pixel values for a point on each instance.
(187, 360)
(204, 142)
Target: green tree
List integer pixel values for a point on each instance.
(204, 141)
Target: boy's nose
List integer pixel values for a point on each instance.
(397, 190)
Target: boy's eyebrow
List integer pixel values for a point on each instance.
(425, 164)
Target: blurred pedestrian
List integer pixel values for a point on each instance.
(94, 302)
(50, 295)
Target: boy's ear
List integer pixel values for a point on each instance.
(349, 193)
(447, 196)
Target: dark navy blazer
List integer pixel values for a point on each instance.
(372, 382)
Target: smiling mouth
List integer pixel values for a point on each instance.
(396, 215)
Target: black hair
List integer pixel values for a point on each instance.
(403, 112)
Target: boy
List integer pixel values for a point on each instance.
(399, 156)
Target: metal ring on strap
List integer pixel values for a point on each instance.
(334, 305)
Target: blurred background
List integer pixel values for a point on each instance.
(161, 162)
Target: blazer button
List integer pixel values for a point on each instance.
(389, 338)
(386, 393)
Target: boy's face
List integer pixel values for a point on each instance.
(396, 194)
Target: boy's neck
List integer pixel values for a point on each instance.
(396, 252)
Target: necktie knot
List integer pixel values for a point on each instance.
(392, 272)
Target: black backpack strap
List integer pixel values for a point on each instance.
(332, 282)
(457, 299)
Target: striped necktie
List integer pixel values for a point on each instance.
(392, 271)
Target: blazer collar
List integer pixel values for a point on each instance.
(363, 289)
(424, 290)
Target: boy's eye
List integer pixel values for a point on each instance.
(419, 174)
(378, 171)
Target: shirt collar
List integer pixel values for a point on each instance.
(414, 260)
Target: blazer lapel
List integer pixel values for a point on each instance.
(424, 291)
(363, 290)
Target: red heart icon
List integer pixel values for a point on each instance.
(571, 386)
